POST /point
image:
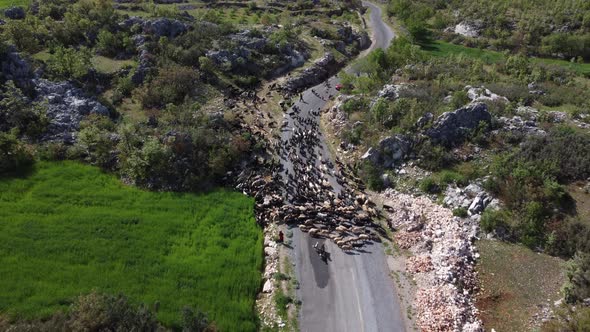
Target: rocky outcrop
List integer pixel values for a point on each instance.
(519, 127)
(468, 29)
(390, 151)
(315, 74)
(347, 35)
(160, 27)
(481, 94)
(424, 120)
(165, 27)
(473, 198)
(16, 69)
(452, 128)
(66, 107)
(394, 91)
(15, 13)
(246, 39)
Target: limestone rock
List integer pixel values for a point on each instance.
(267, 288)
(468, 29)
(66, 107)
(481, 94)
(452, 128)
(391, 150)
(319, 71)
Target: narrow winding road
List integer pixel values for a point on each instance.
(352, 291)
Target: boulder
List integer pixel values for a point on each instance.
(159, 27)
(66, 107)
(452, 128)
(246, 39)
(15, 13)
(315, 74)
(392, 91)
(363, 39)
(556, 116)
(481, 94)
(267, 288)
(527, 112)
(468, 29)
(424, 120)
(270, 251)
(519, 127)
(164, 27)
(390, 151)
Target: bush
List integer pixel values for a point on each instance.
(17, 113)
(434, 157)
(171, 86)
(430, 186)
(110, 44)
(14, 156)
(459, 99)
(495, 220)
(94, 312)
(448, 177)
(565, 148)
(69, 63)
(577, 287)
(460, 212)
(371, 175)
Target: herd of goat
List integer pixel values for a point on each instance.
(307, 189)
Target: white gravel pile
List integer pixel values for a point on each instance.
(443, 261)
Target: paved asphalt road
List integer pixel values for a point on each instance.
(352, 292)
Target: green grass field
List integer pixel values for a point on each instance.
(68, 229)
(8, 3)
(442, 48)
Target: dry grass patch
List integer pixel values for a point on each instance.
(515, 282)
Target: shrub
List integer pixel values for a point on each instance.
(95, 312)
(577, 287)
(171, 86)
(69, 63)
(17, 113)
(372, 176)
(434, 157)
(448, 177)
(459, 99)
(430, 186)
(14, 156)
(565, 148)
(110, 44)
(460, 212)
(494, 220)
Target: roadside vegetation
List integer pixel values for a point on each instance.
(69, 229)
(530, 174)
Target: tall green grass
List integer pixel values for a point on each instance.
(69, 228)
